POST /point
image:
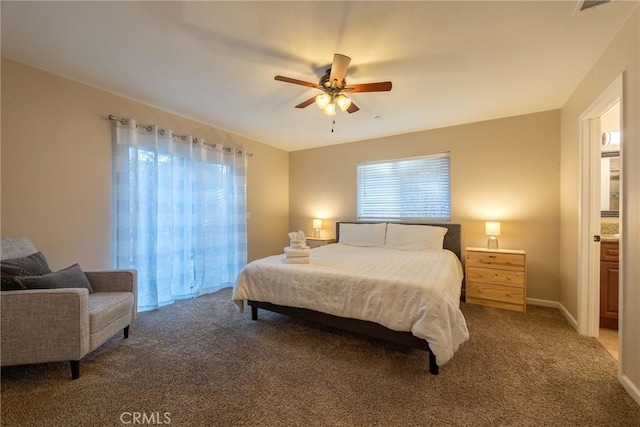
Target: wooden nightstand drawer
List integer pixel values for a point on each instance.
(504, 261)
(513, 295)
(499, 277)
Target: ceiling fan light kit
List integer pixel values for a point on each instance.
(330, 109)
(333, 83)
(323, 100)
(327, 103)
(343, 102)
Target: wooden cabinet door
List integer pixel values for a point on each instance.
(609, 294)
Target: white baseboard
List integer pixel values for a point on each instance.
(631, 388)
(555, 304)
(543, 302)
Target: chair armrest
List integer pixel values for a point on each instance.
(44, 325)
(115, 281)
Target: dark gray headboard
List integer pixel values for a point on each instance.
(452, 240)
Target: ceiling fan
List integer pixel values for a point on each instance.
(334, 86)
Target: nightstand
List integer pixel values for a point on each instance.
(497, 278)
(315, 242)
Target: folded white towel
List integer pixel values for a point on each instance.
(297, 235)
(295, 253)
(297, 239)
(298, 260)
(298, 244)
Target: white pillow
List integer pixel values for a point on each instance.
(415, 237)
(363, 234)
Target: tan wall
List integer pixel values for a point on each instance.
(505, 169)
(56, 168)
(622, 56)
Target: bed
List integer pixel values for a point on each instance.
(401, 283)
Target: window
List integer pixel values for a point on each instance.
(408, 188)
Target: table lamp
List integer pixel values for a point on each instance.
(492, 229)
(317, 225)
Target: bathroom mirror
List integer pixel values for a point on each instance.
(610, 184)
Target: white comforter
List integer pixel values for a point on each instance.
(417, 291)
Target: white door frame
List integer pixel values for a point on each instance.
(589, 218)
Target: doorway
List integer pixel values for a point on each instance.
(610, 228)
(591, 218)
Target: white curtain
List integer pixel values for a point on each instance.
(180, 213)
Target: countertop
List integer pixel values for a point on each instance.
(610, 238)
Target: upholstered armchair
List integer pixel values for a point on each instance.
(62, 324)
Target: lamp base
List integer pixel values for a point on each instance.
(492, 243)
(316, 232)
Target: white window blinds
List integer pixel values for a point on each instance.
(408, 188)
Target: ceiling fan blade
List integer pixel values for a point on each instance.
(368, 87)
(297, 82)
(339, 68)
(307, 102)
(352, 108)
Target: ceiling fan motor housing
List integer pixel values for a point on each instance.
(326, 83)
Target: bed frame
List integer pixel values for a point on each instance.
(452, 242)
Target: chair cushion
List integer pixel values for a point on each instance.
(105, 307)
(30, 265)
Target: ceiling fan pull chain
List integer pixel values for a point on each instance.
(334, 123)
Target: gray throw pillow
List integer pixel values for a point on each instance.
(30, 265)
(70, 277)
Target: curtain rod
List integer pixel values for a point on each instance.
(148, 127)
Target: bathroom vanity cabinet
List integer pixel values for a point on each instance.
(609, 274)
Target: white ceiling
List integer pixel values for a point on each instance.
(214, 62)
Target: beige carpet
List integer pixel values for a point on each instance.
(200, 363)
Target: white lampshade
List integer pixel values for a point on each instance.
(492, 228)
(343, 102)
(330, 110)
(323, 100)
